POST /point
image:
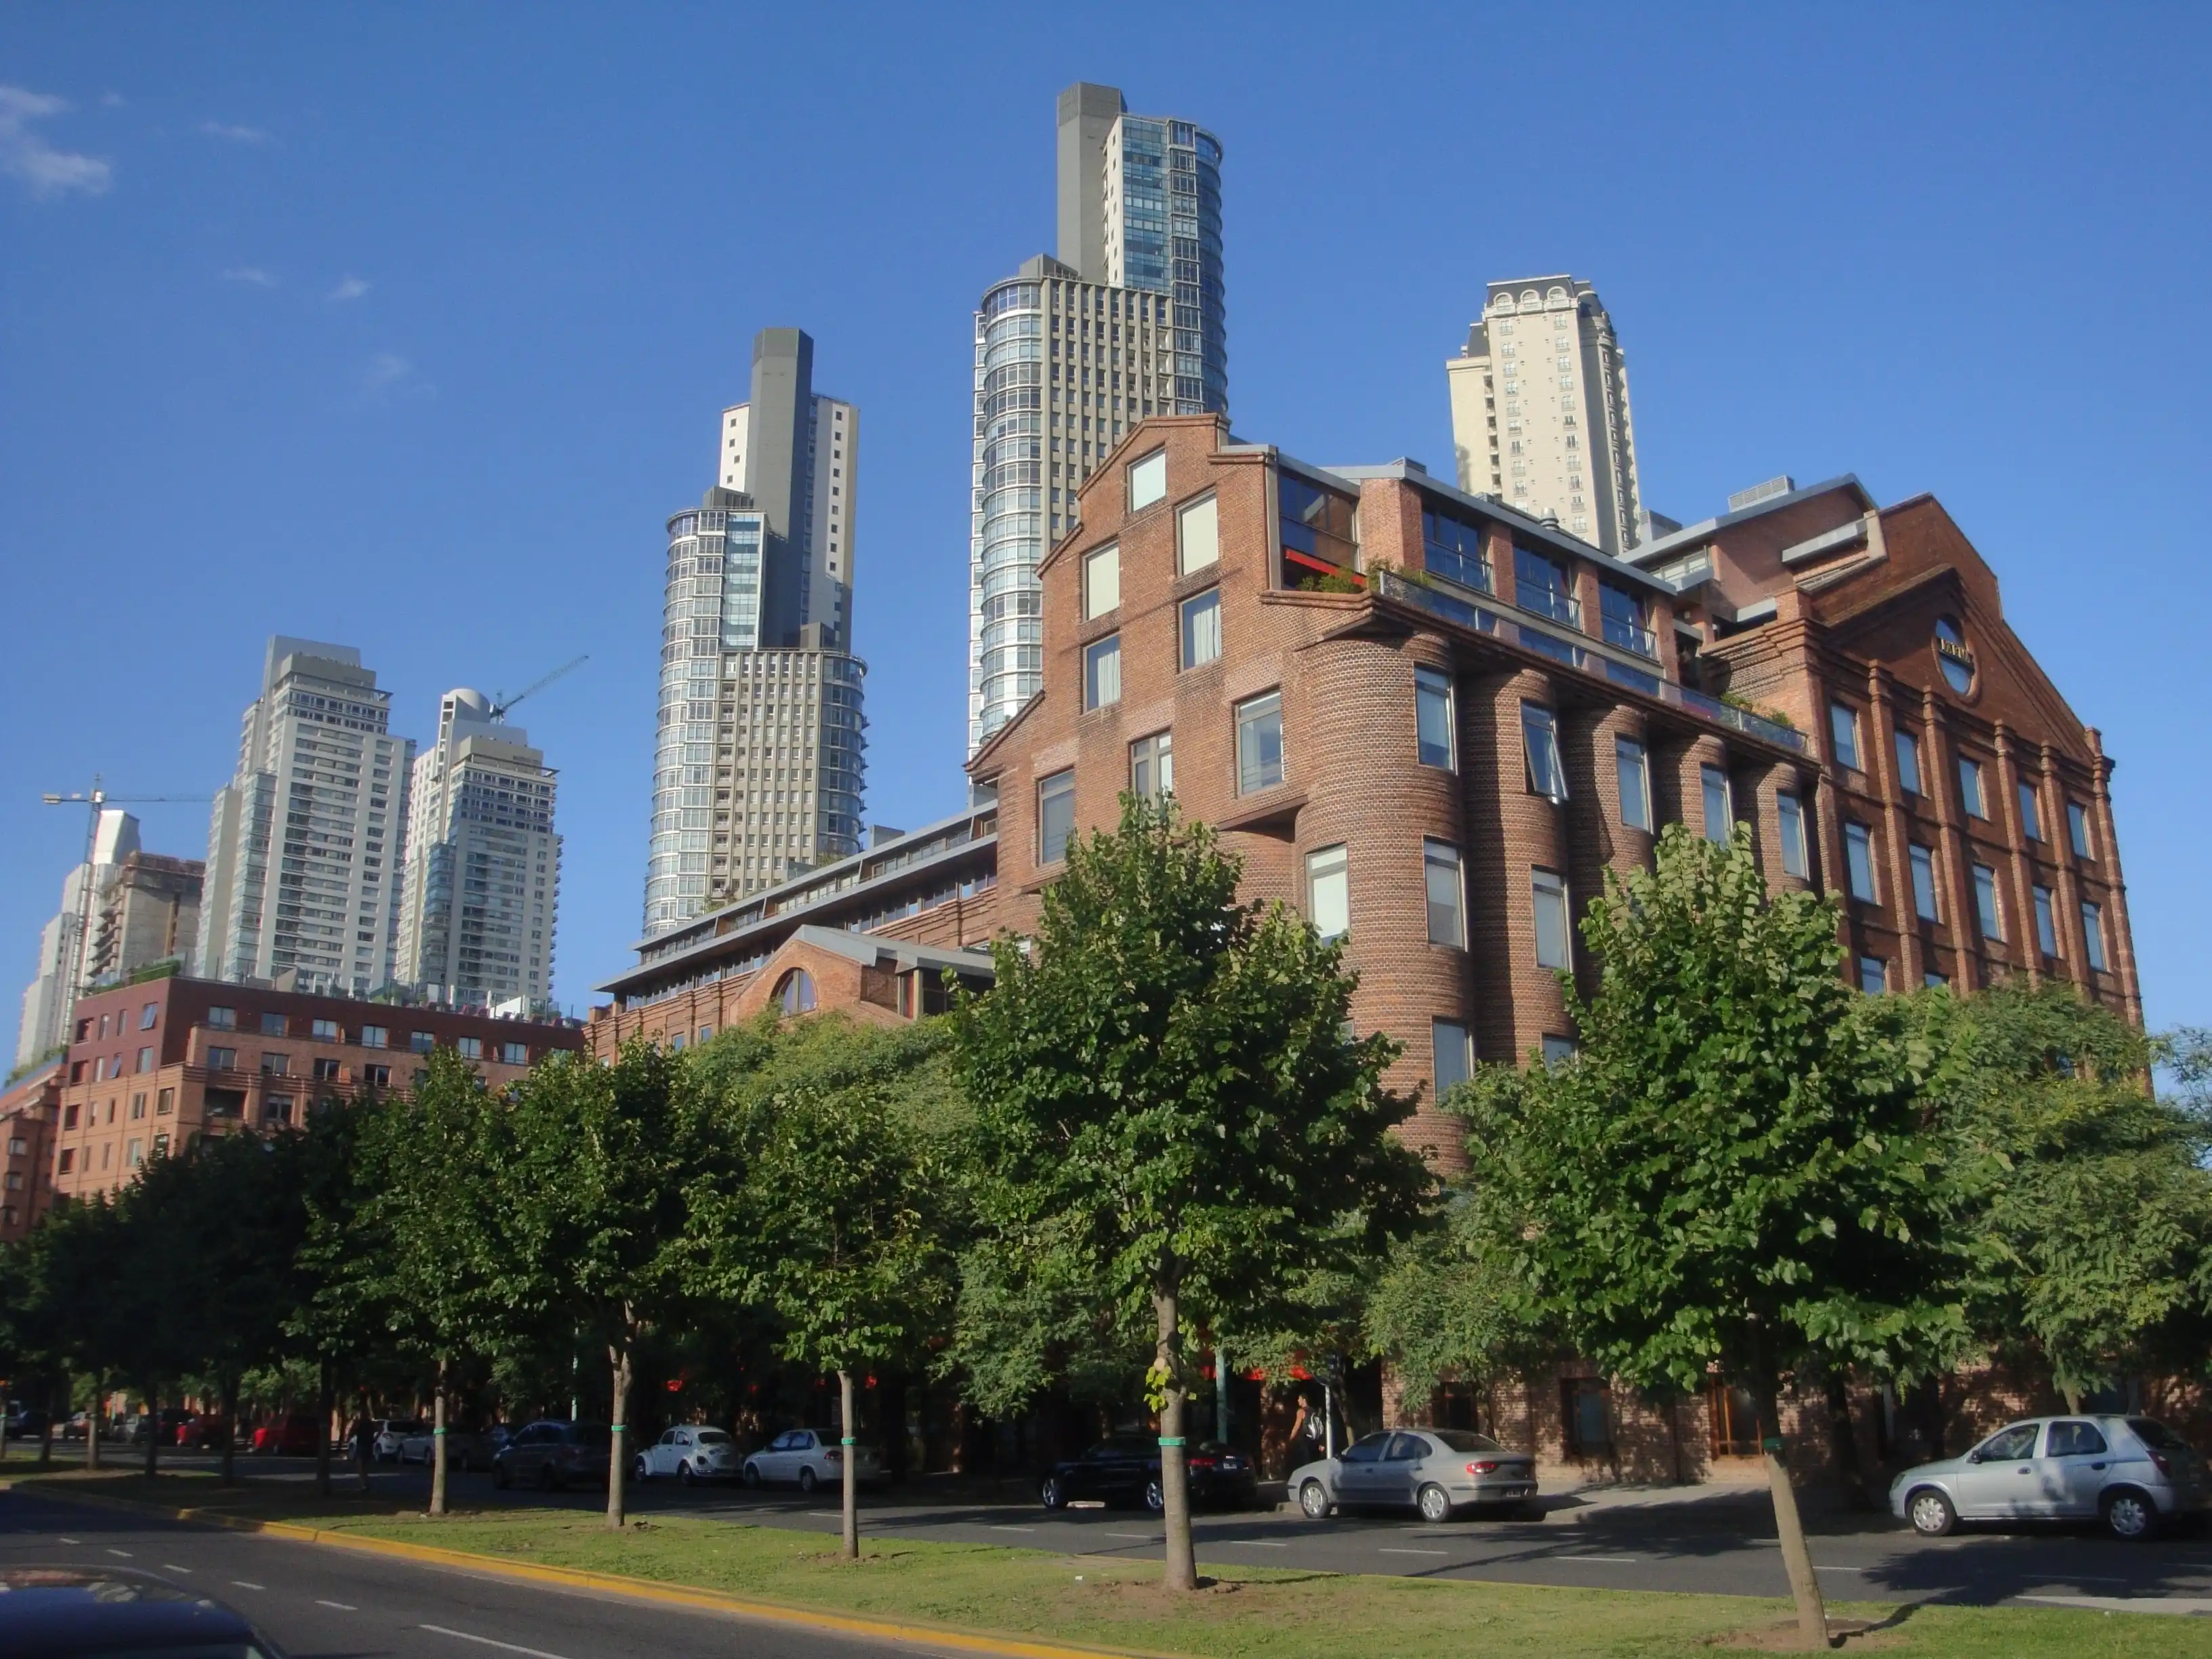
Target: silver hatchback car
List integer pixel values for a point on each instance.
(2133, 1473)
(1436, 1471)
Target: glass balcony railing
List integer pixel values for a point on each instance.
(1455, 566)
(1550, 602)
(1631, 636)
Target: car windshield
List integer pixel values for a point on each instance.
(1462, 1440)
(713, 1437)
(2155, 1435)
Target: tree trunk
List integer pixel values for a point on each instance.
(229, 1431)
(46, 1434)
(617, 1461)
(1843, 1444)
(2073, 1400)
(849, 1526)
(1175, 1473)
(328, 1407)
(92, 1423)
(437, 1443)
(153, 1431)
(1797, 1558)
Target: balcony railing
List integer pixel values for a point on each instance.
(1629, 636)
(1439, 601)
(1550, 602)
(1455, 566)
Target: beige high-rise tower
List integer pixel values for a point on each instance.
(1540, 410)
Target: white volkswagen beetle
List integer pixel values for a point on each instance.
(689, 1453)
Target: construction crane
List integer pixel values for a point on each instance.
(501, 702)
(95, 799)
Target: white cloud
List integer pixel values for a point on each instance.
(253, 274)
(27, 155)
(349, 287)
(237, 134)
(389, 378)
(111, 100)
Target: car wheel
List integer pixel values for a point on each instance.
(685, 1473)
(807, 1482)
(750, 1478)
(1930, 1513)
(1155, 1498)
(1435, 1503)
(2128, 1515)
(641, 1469)
(1313, 1499)
(1051, 1493)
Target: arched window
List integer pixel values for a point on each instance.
(795, 991)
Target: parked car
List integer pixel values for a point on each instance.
(690, 1453)
(161, 1426)
(207, 1431)
(51, 1611)
(75, 1427)
(26, 1424)
(2131, 1474)
(1126, 1470)
(390, 1431)
(812, 1458)
(465, 1448)
(1438, 1472)
(555, 1455)
(295, 1434)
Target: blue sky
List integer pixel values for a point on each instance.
(406, 326)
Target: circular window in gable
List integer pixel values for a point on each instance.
(1953, 655)
(795, 991)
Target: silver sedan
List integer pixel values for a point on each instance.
(2133, 1473)
(1438, 1472)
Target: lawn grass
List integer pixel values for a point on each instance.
(1117, 1602)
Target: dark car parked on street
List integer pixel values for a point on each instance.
(1126, 1470)
(162, 1426)
(555, 1456)
(66, 1613)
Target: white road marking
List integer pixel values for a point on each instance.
(171, 1566)
(1822, 1566)
(1592, 1555)
(242, 1584)
(125, 1554)
(998, 1528)
(1387, 1550)
(343, 1607)
(819, 1515)
(71, 1540)
(508, 1647)
(1141, 1537)
(1255, 1543)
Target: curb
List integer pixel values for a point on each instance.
(942, 1636)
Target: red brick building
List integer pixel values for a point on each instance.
(30, 1108)
(152, 1066)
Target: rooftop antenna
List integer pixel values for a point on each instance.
(501, 702)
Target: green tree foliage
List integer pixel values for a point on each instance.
(1445, 1308)
(2089, 1195)
(837, 1226)
(1734, 1172)
(1173, 1117)
(595, 1205)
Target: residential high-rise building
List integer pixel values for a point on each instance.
(760, 760)
(1128, 321)
(62, 973)
(305, 845)
(482, 885)
(1540, 411)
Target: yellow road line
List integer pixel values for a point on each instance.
(645, 1590)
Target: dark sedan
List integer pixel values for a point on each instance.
(1126, 1470)
(89, 1612)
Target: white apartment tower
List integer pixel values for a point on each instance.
(760, 760)
(483, 864)
(53, 990)
(305, 844)
(1071, 352)
(1540, 411)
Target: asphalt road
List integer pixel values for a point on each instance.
(319, 1602)
(1705, 1541)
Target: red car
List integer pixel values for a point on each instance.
(207, 1431)
(296, 1434)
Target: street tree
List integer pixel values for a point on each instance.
(1170, 1107)
(836, 1226)
(1734, 1174)
(594, 1207)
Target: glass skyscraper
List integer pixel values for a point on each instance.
(1128, 321)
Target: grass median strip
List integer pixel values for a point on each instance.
(1115, 1601)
